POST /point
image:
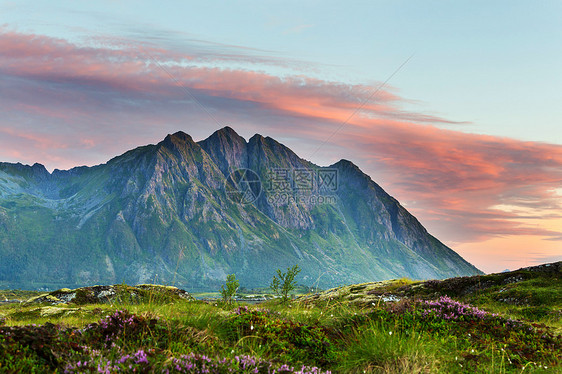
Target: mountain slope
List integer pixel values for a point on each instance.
(166, 213)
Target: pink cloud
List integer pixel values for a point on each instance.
(35, 140)
(141, 69)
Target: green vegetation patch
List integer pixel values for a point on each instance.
(285, 339)
(395, 326)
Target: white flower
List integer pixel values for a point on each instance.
(390, 333)
(251, 327)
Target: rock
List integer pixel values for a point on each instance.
(363, 294)
(112, 294)
(51, 311)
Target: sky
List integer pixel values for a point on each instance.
(452, 107)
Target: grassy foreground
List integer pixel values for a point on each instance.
(389, 327)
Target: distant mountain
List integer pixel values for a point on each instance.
(189, 213)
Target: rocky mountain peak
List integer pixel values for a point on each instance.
(38, 167)
(177, 138)
(227, 149)
(178, 146)
(225, 139)
(257, 138)
(266, 150)
(227, 132)
(346, 165)
(351, 171)
(36, 171)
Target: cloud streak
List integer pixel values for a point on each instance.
(67, 103)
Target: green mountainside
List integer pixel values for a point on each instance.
(173, 213)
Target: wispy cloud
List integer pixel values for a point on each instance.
(555, 238)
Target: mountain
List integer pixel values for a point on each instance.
(189, 213)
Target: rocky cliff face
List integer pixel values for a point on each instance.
(182, 212)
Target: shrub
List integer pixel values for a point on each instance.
(288, 340)
(229, 292)
(285, 283)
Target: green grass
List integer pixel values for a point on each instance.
(17, 294)
(429, 334)
(376, 347)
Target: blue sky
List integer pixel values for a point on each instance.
(466, 134)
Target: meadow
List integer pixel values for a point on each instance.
(503, 323)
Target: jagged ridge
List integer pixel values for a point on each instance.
(161, 213)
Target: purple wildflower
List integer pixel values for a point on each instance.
(141, 357)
